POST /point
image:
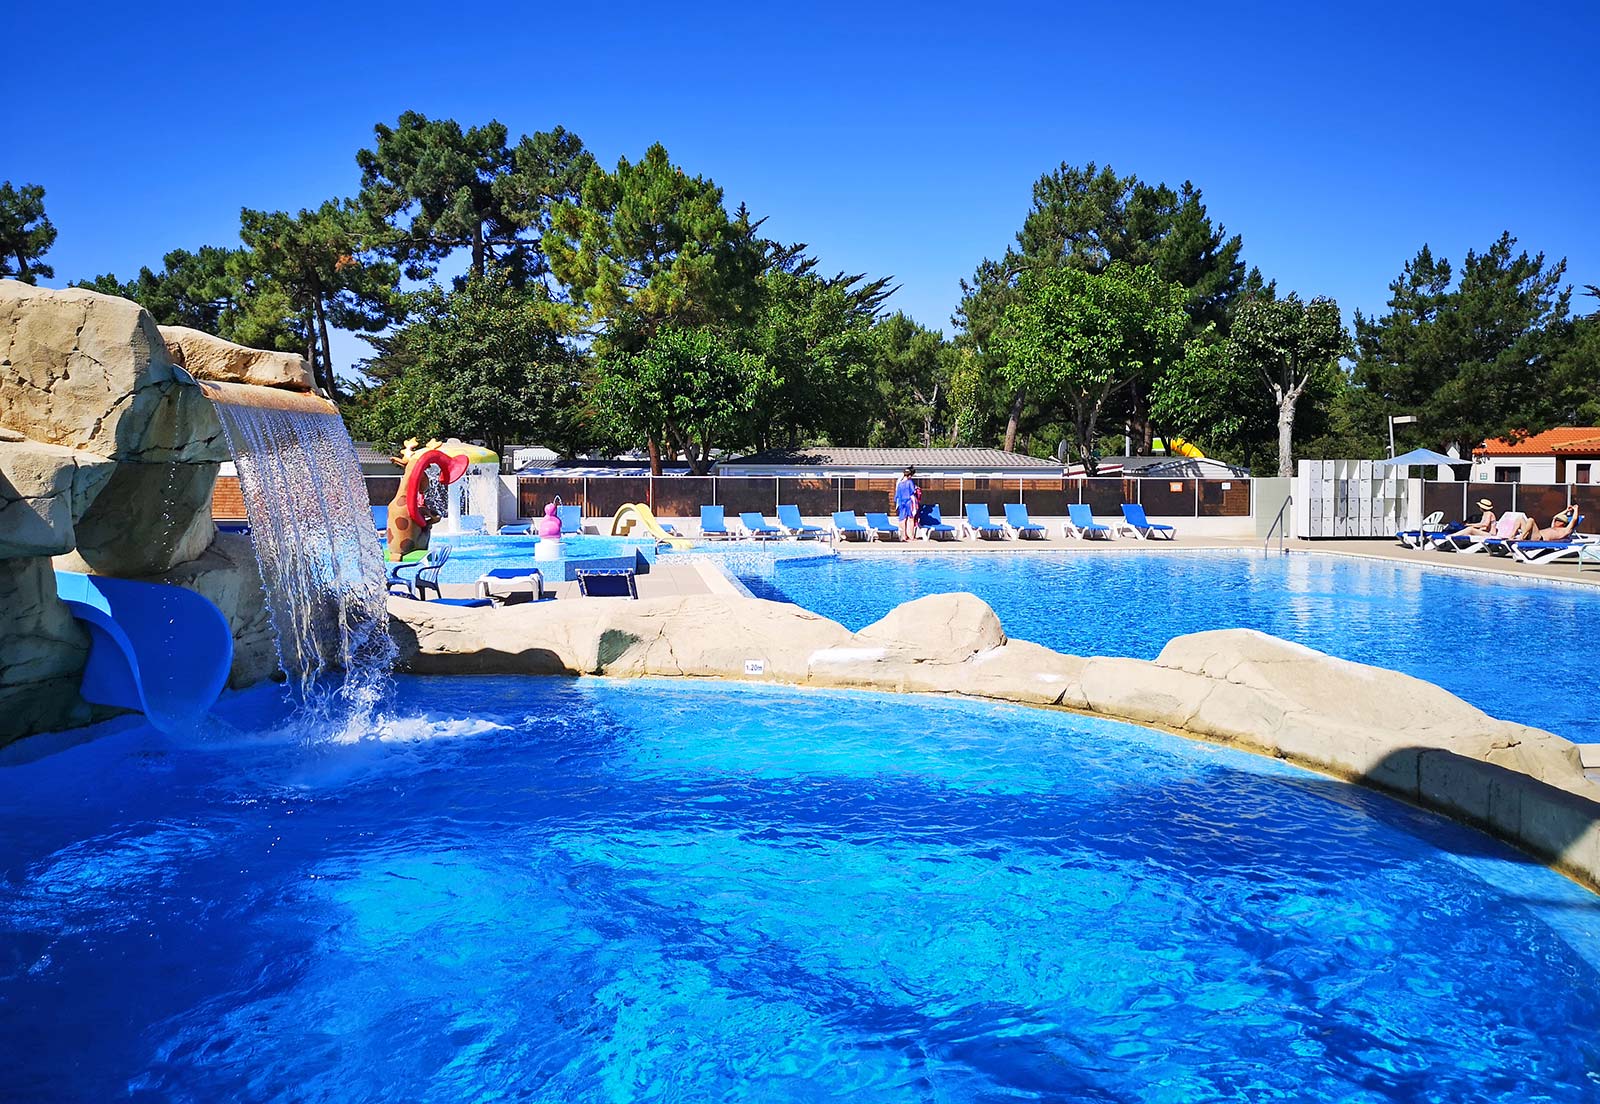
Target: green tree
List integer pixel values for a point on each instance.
(1088, 218)
(200, 290)
(649, 245)
(691, 389)
(1473, 358)
(1288, 346)
(317, 266)
(443, 188)
(26, 233)
(486, 361)
(912, 367)
(1073, 339)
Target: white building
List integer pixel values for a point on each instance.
(1570, 454)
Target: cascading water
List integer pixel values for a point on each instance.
(312, 530)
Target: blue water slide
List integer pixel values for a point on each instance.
(161, 650)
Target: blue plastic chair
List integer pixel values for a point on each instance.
(789, 517)
(571, 519)
(713, 522)
(846, 526)
(1020, 524)
(408, 574)
(1143, 527)
(756, 527)
(1081, 523)
(979, 522)
(882, 528)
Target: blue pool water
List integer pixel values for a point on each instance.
(590, 891)
(1524, 651)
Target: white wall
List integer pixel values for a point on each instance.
(1532, 469)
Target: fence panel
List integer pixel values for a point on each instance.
(1541, 501)
(680, 496)
(604, 497)
(1450, 499)
(1163, 498)
(381, 489)
(1586, 496)
(1223, 498)
(815, 498)
(1049, 497)
(990, 492)
(861, 495)
(758, 493)
(944, 493)
(1106, 496)
(535, 491)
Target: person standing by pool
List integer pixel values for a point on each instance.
(907, 501)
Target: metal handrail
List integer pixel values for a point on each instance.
(1278, 527)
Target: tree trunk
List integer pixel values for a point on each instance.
(1014, 419)
(1286, 433)
(655, 455)
(478, 251)
(327, 351)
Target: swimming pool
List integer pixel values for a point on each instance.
(1520, 650)
(591, 890)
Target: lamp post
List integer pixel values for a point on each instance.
(1394, 420)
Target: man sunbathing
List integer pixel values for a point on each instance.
(1561, 527)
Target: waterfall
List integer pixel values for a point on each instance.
(313, 535)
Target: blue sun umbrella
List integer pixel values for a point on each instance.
(1421, 456)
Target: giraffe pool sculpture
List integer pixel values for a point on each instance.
(409, 516)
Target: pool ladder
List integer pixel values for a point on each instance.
(1279, 527)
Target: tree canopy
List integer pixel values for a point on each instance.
(26, 233)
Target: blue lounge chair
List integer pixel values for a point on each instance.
(1141, 526)
(789, 517)
(607, 583)
(756, 528)
(1080, 523)
(980, 523)
(1020, 525)
(713, 523)
(882, 528)
(931, 526)
(571, 519)
(516, 529)
(846, 526)
(1543, 552)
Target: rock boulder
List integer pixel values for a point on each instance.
(41, 661)
(44, 492)
(211, 358)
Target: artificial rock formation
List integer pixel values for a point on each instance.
(211, 358)
(90, 372)
(1236, 686)
(107, 461)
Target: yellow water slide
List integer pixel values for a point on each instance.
(637, 513)
(1177, 446)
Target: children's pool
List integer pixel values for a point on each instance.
(582, 891)
(1526, 651)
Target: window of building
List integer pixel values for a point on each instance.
(1581, 474)
(1507, 475)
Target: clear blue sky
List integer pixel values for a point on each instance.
(895, 140)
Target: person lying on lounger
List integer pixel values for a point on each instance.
(1561, 527)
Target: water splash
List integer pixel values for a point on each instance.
(320, 563)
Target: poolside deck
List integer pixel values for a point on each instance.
(667, 580)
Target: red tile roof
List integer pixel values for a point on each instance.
(1568, 440)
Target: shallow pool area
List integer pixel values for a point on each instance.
(1520, 650)
(523, 888)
